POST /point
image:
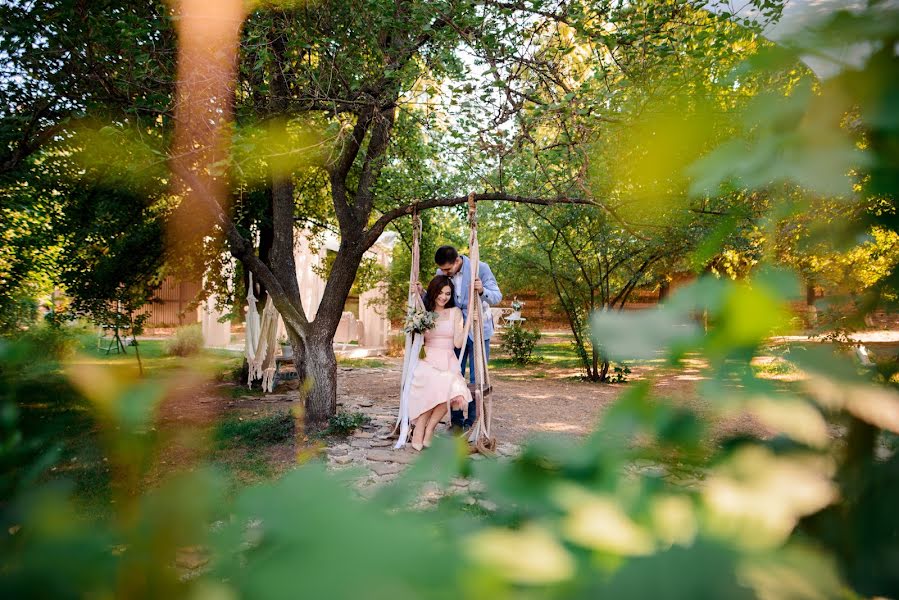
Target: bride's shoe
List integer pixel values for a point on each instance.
(415, 444)
(429, 437)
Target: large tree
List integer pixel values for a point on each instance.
(345, 115)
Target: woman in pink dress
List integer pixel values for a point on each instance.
(437, 379)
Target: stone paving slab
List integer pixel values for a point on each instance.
(370, 449)
(381, 468)
(401, 456)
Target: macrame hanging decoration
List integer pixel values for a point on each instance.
(261, 341)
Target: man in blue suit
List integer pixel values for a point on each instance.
(457, 267)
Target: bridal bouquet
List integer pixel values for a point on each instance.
(419, 320)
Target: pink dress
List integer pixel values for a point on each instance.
(437, 377)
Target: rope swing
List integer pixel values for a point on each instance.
(480, 432)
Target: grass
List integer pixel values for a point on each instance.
(361, 363)
(560, 355)
(775, 367)
(242, 444)
(60, 440)
(213, 362)
(253, 433)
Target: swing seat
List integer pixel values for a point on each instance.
(472, 387)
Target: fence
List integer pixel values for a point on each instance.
(174, 306)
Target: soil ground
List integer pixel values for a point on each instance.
(538, 399)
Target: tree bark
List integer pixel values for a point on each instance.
(604, 371)
(811, 311)
(664, 289)
(321, 369)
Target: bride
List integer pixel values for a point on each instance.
(437, 380)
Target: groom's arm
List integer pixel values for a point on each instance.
(491, 289)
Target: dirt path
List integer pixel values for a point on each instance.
(524, 405)
(527, 402)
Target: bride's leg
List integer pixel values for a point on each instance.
(437, 413)
(418, 434)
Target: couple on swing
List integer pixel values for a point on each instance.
(437, 379)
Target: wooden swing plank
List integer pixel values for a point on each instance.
(473, 387)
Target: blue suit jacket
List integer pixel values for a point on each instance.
(491, 291)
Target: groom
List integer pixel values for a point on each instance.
(457, 267)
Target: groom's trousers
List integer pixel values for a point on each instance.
(457, 418)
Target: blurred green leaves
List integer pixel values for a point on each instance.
(652, 504)
(797, 138)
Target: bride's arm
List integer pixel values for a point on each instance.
(458, 329)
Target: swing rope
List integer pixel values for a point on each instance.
(480, 432)
(414, 342)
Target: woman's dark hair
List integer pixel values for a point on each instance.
(445, 254)
(437, 284)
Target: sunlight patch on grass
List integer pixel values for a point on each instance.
(361, 363)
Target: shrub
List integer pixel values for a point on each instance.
(620, 373)
(346, 423)
(56, 342)
(519, 343)
(396, 344)
(187, 341)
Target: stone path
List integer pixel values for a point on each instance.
(369, 449)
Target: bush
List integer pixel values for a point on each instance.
(519, 343)
(17, 313)
(55, 342)
(396, 344)
(346, 423)
(187, 341)
(621, 373)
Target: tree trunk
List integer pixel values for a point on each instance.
(664, 289)
(811, 311)
(321, 369)
(299, 355)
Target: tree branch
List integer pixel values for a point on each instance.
(374, 155)
(243, 250)
(339, 170)
(374, 232)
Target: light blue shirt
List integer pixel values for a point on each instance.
(491, 294)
